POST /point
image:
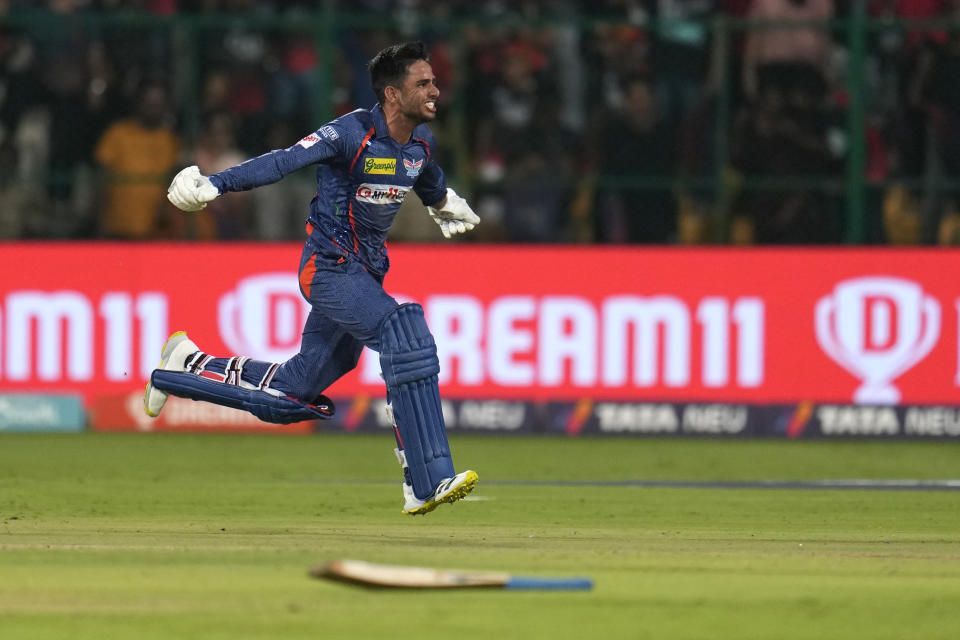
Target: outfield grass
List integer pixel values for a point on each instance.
(173, 536)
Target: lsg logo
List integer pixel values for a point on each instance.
(877, 328)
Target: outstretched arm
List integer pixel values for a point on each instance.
(274, 165)
(191, 191)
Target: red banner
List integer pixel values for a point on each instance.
(871, 326)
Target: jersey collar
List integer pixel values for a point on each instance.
(380, 126)
(379, 122)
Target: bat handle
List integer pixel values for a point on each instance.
(555, 584)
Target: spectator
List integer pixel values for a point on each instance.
(237, 56)
(615, 53)
(948, 231)
(138, 155)
(680, 53)
(521, 151)
(923, 129)
(698, 204)
(227, 217)
(777, 139)
(292, 69)
(635, 147)
(24, 136)
(939, 93)
(784, 55)
(892, 52)
(902, 216)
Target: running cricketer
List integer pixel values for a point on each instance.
(367, 161)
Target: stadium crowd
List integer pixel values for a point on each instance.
(610, 121)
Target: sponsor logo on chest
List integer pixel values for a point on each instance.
(381, 166)
(381, 193)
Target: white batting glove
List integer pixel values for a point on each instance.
(191, 191)
(455, 217)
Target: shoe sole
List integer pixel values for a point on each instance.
(164, 357)
(469, 483)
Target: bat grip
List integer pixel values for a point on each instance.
(555, 584)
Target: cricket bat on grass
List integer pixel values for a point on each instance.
(368, 574)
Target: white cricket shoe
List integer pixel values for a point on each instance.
(173, 357)
(450, 490)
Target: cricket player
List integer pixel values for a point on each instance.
(367, 161)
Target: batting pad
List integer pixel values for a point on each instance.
(408, 359)
(267, 407)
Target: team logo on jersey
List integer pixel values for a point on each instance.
(381, 193)
(383, 166)
(309, 141)
(413, 168)
(329, 132)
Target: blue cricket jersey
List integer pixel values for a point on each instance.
(363, 176)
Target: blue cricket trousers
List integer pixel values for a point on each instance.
(347, 307)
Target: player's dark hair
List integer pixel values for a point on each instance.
(389, 67)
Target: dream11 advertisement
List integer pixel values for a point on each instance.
(644, 340)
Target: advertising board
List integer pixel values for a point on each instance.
(870, 326)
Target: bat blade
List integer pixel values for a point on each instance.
(405, 577)
(369, 574)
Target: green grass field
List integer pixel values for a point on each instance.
(174, 536)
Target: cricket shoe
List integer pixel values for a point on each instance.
(449, 490)
(173, 358)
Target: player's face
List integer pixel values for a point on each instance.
(419, 92)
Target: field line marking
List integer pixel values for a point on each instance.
(849, 484)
